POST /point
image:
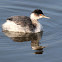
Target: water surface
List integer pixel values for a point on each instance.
(13, 51)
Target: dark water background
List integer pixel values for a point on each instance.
(11, 51)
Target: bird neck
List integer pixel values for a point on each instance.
(33, 18)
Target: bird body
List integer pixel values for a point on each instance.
(24, 24)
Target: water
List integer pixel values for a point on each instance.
(14, 50)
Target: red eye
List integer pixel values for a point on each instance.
(40, 14)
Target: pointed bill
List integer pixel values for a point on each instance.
(45, 16)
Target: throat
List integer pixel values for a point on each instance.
(34, 22)
(37, 25)
(33, 18)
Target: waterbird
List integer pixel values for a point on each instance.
(25, 24)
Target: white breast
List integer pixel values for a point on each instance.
(38, 27)
(11, 26)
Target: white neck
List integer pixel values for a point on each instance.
(34, 16)
(34, 20)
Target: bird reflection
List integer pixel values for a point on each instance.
(33, 37)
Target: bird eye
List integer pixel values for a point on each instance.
(40, 14)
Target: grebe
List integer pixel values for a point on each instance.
(25, 24)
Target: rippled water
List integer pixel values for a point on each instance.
(20, 49)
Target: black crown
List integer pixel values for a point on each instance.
(37, 11)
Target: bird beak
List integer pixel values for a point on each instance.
(45, 16)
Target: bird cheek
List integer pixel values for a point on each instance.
(40, 16)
